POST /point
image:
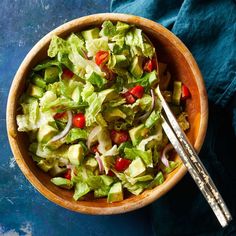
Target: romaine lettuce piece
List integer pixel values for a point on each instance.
(62, 182)
(81, 189)
(95, 45)
(133, 153)
(108, 29)
(159, 179)
(76, 134)
(153, 119)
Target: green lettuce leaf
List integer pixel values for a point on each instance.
(76, 134)
(108, 29)
(159, 179)
(133, 153)
(153, 119)
(95, 45)
(81, 189)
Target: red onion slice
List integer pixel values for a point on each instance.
(100, 164)
(144, 116)
(66, 130)
(164, 158)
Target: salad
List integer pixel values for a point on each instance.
(92, 114)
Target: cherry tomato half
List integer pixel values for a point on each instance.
(67, 74)
(101, 57)
(129, 98)
(185, 92)
(79, 120)
(60, 115)
(67, 175)
(119, 137)
(137, 91)
(122, 164)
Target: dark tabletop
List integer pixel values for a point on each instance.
(23, 210)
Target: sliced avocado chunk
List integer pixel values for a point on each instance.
(45, 133)
(51, 74)
(91, 163)
(177, 92)
(35, 91)
(137, 133)
(121, 61)
(114, 113)
(136, 67)
(62, 182)
(59, 167)
(116, 193)
(136, 168)
(56, 170)
(46, 164)
(55, 144)
(39, 81)
(101, 192)
(91, 34)
(76, 154)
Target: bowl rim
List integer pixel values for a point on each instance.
(114, 209)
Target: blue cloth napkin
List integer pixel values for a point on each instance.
(208, 29)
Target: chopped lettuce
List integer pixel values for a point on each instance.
(95, 45)
(76, 134)
(133, 153)
(81, 189)
(152, 119)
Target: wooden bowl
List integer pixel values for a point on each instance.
(182, 66)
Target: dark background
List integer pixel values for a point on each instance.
(23, 210)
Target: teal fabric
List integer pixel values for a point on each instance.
(208, 29)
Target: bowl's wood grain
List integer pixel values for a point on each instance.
(182, 66)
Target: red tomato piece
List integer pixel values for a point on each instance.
(137, 91)
(110, 173)
(122, 164)
(67, 74)
(67, 175)
(101, 57)
(185, 92)
(79, 120)
(129, 98)
(148, 66)
(60, 115)
(119, 137)
(110, 75)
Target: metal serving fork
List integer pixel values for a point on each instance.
(193, 163)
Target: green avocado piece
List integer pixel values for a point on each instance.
(116, 193)
(51, 74)
(91, 163)
(46, 164)
(136, 168)
(137, 132)
(121, 61)
(136, 67)
(62, 182)
(39, 81)
(76, 154)
(91, 34)
(35, 91)
(45, 133)
(112, 114)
